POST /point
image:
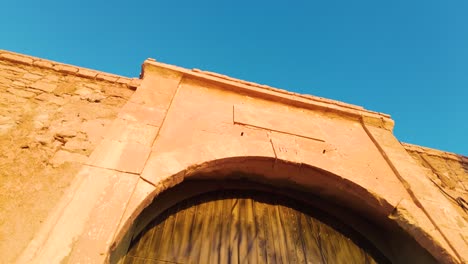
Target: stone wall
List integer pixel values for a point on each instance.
(52, 116)
(448, 171)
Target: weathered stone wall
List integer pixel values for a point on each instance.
(51, 118)
(448, 171)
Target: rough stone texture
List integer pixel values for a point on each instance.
(441, 213)
(182, 124)
(130, 137)
(48, 128)
(448, 171)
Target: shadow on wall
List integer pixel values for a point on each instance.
(464, 162)
(231, 208)
(299, 181)
(378, 237)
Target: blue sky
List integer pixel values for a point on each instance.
(405, 58)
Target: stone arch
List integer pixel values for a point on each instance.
(359, 202)
(183, 124)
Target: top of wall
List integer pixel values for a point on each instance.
(264, 91)
(273, 94)
(131, 83)
(435, 153)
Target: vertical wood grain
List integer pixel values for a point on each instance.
(226, 227)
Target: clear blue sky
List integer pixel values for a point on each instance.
(405, 58)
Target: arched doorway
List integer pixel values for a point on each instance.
(251, 225)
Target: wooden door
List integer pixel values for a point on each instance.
(247, 227)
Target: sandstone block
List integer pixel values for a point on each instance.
(44, 86)
(125, 130)
(17, 58)
(65, 68)
(122, 156)
(95, 98)
(281, 121)
(146, 114)
(76, 145)
(50, 98)
(21, 93)
(123, 80)
(136, 203)
(112, 90)
(146, 96)
(90, 95)
(92, 86)
(10, 98)
(32, 77)
(95, 129)
(63, 156)
(64, 132)
(108, 210)
(52, 77)
(83, 91)
(87, 73)
(19, 84)
(134, 83)
(65, 128)
(64, 88)
(45, 139)
(43, 64)
(107, 77)
(91, 187)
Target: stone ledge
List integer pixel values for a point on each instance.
(434, 152)
(131, 83)
(282, 96)
(308, 96)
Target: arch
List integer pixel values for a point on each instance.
(181, 125)
(282, 175)
(242, 221)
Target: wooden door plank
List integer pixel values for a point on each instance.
(217, 223)
(187, 223)
(259, 214)
(164, 250)
(225, 250)
(206, 232)
(233, 238)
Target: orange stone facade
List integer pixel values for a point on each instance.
(84, 152)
